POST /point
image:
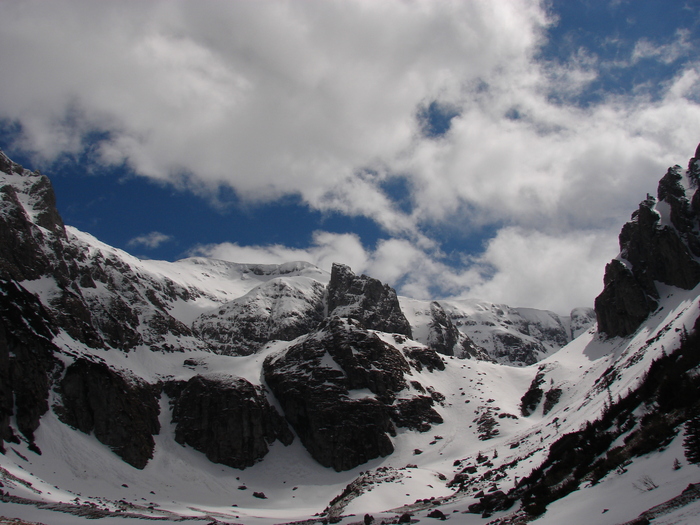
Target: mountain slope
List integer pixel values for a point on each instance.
(210, 391)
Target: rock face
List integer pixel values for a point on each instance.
(25, 230)
(122, 411)
(514, 336)
(281, 309)
(94, 295)
(27, 361)
(446, 339)
(366, 299)
(226, 418)
(338, 387)
(660, 244)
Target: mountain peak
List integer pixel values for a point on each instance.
(366, 299)
(660, 244)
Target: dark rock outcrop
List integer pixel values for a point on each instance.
(420, 357)
(531, 399)
(367, 300)
(623, 305)
(445, 338)
(24, 237)
(661, 243)
(338, 389)
(512, 348)
(226, 418)
(416, 413)
(96, 296)
(27, 361)
(122, 411)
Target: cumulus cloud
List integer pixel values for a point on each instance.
(150, 240)
(326, 101)
(667, 53)
(325, 249)
(270, 98)
(522, 267)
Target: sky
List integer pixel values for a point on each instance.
(487, 149)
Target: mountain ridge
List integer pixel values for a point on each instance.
(102, 351)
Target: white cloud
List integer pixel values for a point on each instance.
(524, 267)
(271, 98)
(667, 53)
(150, 240)
(319, 99)
(326, 248)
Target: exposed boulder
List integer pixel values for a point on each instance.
(367, 300)
(226, 418)
(121, 410)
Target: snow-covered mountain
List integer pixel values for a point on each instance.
(203, 391)
(514, 336)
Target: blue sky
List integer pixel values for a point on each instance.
(486, 149)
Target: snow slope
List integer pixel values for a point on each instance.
(180, 482)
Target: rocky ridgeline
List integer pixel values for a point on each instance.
(280, 309)
(447, 339)
(661, 244)
(343, 389)
(494, 332)
(55, 282)
(366, 299)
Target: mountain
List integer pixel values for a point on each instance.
(512, 336)
(208, 391)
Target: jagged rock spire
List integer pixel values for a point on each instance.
(653, 249)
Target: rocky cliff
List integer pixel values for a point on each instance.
(344, 389)
(661, 244)
(367, 300)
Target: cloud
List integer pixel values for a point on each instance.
(150, 240)
(667, 53)
(269, 98)
(326, 101)
(325, 249)
(524, 267)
